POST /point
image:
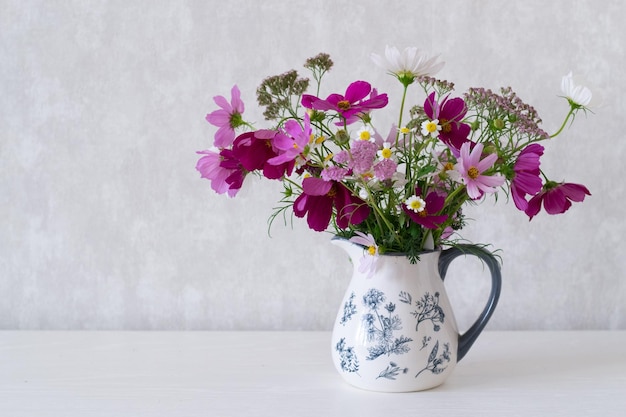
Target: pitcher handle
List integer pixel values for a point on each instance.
(467, 339)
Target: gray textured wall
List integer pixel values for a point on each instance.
(105, 224)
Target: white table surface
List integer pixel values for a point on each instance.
(58, 373)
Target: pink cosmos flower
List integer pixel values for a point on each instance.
(223, 170)
(294, 143)
(421, 211)
(228, 118)
(471, 168)
(370, 255)
(318, 199)
(527, 178)
(352, 102)
(254, 150)
(556, 198)
(449, 114)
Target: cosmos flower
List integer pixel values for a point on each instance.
(448, 115)
(578, 96)
(556, 198)
(254, 150)
(352, 102)
(527, 178)
(319, 198)
(228, 118)
(471, 169)
(292, 144)
(370, 255)
(223, 169)
(423, 211)
(407, 65)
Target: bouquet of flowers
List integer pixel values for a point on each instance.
(401, 189)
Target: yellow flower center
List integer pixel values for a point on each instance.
(417, 205)
(473, 173)
(386, 153)
(448, 166)
(431, 127)
(405, 130)
(365, 135)
(371, 250)
(343, 105)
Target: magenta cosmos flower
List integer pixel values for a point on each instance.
(319, 198)
(424, 211)
(449, 113)
(228, 118)
(556, 198)
(223, 170)
(254, 150)
(351, 103)
(527, 179)
(471, 168)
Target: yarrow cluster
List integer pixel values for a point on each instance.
(401, 189)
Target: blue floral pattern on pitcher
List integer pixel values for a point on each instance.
(380, 326)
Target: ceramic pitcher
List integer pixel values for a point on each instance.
(395, 330)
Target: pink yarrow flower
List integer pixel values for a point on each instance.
(228, 118)
(556, 198)
(471, 169)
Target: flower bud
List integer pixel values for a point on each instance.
(342, 137)
(498, 124)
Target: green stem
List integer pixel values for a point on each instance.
(406, 87)
(571, 112)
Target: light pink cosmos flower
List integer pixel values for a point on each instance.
(293, 144)
(223, 169)
(370, 255)
(228, 118)
(471, 168)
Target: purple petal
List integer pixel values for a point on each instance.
(575, 192)
(555, 202)
(316, 186)
(224, 137)
(487, 162)
(223, 103)
(431, 107)
(453, 110)
(235, 100)
(358, 90)
(218, 118)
